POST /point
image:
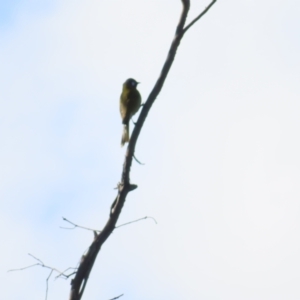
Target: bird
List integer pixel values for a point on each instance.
(130, 102)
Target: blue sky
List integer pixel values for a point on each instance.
(11, 10)
(220, 147)
(8, 11)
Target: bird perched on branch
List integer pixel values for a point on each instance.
(130, 102)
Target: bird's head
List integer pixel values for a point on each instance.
(131, 83)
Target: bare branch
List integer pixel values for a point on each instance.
(21, 269)
(62, 274)
(124, 187)
(36, 258)
(136, 221)
(138, 161)
(77, 226)
(185, 10)
(47, 280)
(116, 297)
(199, 16)
(41, 264)
(67, 276)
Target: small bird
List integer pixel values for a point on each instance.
(130, 102)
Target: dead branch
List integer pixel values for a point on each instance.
(140, 163)
(199, 16)
(79, 282)
(41, 264)
(136, 221)
(116, 297)
(77, 226)
(97, 231)
(47, 282)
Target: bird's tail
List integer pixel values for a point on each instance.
(125, 135)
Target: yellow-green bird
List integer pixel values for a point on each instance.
(130, 102)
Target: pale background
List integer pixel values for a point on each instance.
(220, 146)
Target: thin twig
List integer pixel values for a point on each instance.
(199, 16)
(138, 161)
(21, 269)
(136, 221)
(36, 258)
(64, 275)
(116, 297)
(77, 226)
(41, 264)
(47, 280)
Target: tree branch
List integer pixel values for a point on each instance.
(124, 187)
(116, 297)
(41, 264)
(77, 226)
(200, 16)
(136, 221)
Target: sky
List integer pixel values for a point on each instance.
(220, 149)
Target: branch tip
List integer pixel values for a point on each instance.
(132, 187)
(199, 16)
(116, 297)
(138, 161)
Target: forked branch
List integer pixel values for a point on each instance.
(87, 261)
